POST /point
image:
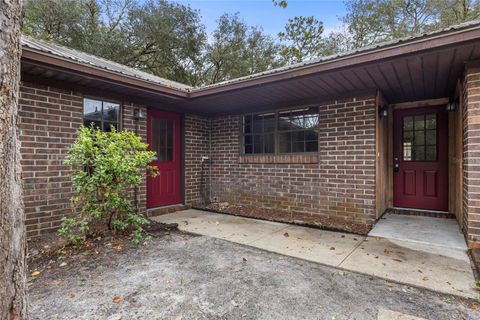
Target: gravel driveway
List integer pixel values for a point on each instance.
(180, 276)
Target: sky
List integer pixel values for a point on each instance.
(263, 13)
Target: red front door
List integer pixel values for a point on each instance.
(163, 137)
(421, 158)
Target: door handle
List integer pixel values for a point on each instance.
(154, 158)
(396, 166)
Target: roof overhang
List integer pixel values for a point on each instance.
(417, 68)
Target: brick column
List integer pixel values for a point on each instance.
(471, 156)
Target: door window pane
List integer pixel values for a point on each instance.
(420, 138)
(162, 138)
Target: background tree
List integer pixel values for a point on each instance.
(168, 40)
(303, 36)
(237, 50)
(373, 21)
(12, 229)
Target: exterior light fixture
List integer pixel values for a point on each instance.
(452, 104)
(139, 114)
(383, 111)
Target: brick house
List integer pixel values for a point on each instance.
(333, 142)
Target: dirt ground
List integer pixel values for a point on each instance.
(180, 276)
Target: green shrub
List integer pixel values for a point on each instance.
(106, 166)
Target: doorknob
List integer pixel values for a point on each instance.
(396, 166)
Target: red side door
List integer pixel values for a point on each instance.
(421, 158)
(163, 137)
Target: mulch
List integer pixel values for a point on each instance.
(298, 218)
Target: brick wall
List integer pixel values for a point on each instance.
(471, 156)
(340, 184)
(197, 145)
(139, 126)
(49, 120)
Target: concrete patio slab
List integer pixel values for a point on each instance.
(235, 229)
(393, 260)
(315, 245)
(424, 230)
(441, 269)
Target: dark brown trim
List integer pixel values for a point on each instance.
(91, 72)
(375, 55)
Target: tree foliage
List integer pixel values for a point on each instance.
(372, 21)
(304, 38)
(168, 39)
(237, 50)
(106, 166)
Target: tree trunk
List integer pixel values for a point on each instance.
(12, 226)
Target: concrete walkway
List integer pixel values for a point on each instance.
(441, 269)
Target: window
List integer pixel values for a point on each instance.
(420, 138)
(259, 133)
(103, 114)
(162, 138)
(290, 131)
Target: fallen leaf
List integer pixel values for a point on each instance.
(343, 236)
(116, 299)
(386, 251)
(473, 306)
(420, 271)
(63, 264)
(71, 295)
(244, 259)
(286, 235)
(35, 273)
(398, 260)
(118, 248)
(332, 248)
(377, 238)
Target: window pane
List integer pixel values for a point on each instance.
(257, 144)
(169, 140)
(311, 135)
(407, 151)
(269, 123)
(419, 153)
(311, 146)
(155, 143)
(284, 142)
(291, 120)
(110, 111)
(257, 124)
(431, 121)
(92, 109)
(431, 137)
(248, 149)
(88, 123)
(431, 153)
(247, 124)
(104, 114)
(419, 138)
(107, 126)
(408, 123)
(419, 122)
(298, 146)
(408, 136)
(269, 143)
